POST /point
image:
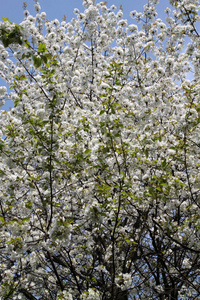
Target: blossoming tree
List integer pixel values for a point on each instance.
(100, 155)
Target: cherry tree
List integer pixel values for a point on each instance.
(100, 155)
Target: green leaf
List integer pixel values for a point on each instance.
(5, 19)
(17, 77)
(112, 110)
(87, 151)
(27, 44)
(27, 55)
(2, 220)
(164, 184)
(44, 58)
(158, 189)
(37, 61)
(146, 152)
(5, 42)
(22, 77)
(42, 47)
(94, 279)
(102, 112)
(25, 220)
(51, 73)
(29, 204)
(54, 62)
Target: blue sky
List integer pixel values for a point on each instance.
(12, 9)
(56, 9)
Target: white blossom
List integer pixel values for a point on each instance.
(37, 8)
(99, 154)
(3, 90)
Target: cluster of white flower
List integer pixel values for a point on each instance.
(64, 296)
(91, 294)
(3, 90)
(100, 157)
(124, 281)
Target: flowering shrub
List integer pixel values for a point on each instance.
(100, 155)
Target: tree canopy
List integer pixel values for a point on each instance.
(100, 155)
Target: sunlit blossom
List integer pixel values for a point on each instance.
(99, 155)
